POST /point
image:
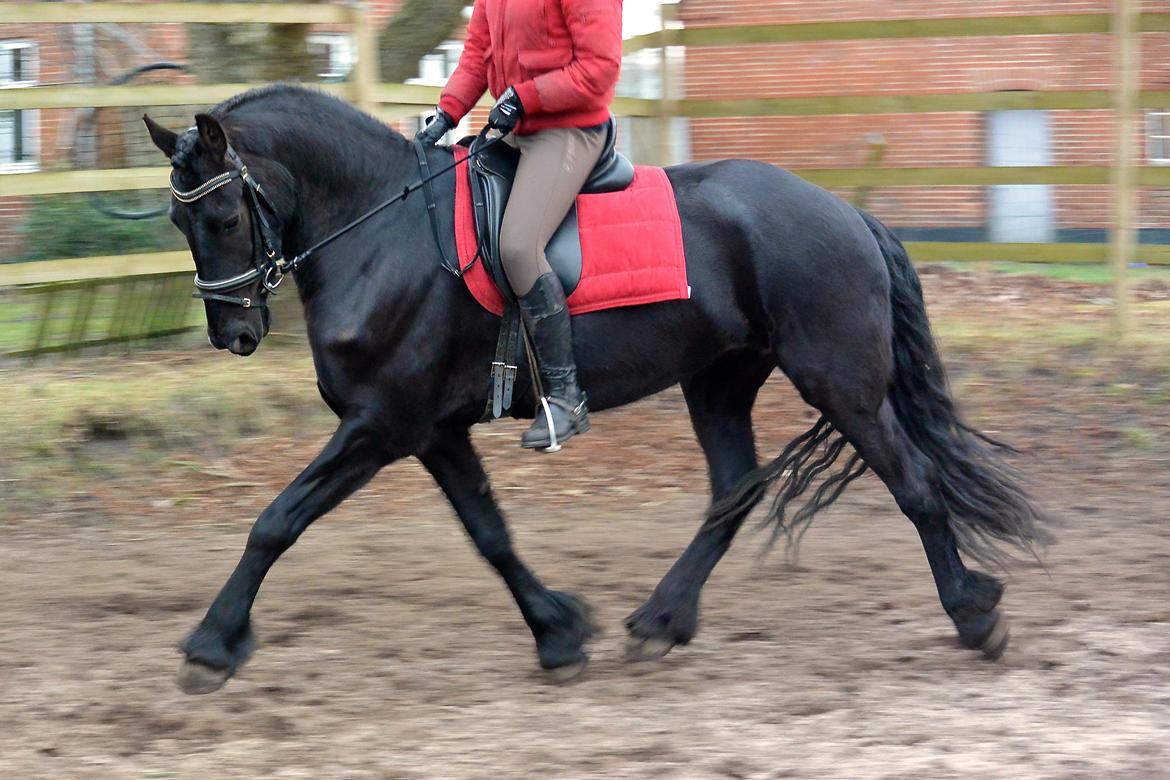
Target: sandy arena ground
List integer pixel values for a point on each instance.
(389, 650)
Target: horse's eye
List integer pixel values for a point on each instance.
(230, 223)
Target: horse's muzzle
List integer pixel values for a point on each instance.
(243, 345)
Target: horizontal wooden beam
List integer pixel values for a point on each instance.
(976, 252)
(1152, 176)
(964, 27)
(910, 104)
(407, 94)
(102, 342)
(60, 182)
(652, 40)
(105, 267)
(410, 98)
(1154, 22)
(1065, 24)
(118, 179)
(294, 13)
(73, 96)
(402, 98)
(157, 13)
(639, 107)
(157, 263)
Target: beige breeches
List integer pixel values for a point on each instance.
(554, 165)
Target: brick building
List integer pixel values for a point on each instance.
(81, 54)
(934, 66)
(97, 54)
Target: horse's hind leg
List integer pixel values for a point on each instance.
(969, 597)
(849, 381)
(720, 400)
(559, 622)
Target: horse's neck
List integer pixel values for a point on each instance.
(334, 186)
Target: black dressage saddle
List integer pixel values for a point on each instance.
(492, 172)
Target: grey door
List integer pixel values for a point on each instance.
(1020, 213)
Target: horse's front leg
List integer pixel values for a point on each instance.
(223, 640)
(559, 622)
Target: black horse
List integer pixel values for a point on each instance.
(784, 275)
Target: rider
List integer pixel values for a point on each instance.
(552, 66)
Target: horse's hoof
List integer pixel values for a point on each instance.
(639, 650)
(562, 675)
(196, 679)
(997, 639)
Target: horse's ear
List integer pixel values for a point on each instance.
(163, 138)
(212, 135)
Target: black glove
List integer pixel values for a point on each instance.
(507, 111)
(438, 127)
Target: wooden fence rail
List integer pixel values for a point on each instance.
(125, 179)
(393, 101)
(173, 13)
(956, 27)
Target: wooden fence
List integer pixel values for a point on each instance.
(394, 101)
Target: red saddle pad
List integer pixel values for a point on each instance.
(631, 246)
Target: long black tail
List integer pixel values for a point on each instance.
(982, 494)
(985, 502)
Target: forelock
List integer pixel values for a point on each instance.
(185, 149)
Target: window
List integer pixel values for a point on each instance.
(335, 55)
(19, 129)
(1159, 135)
(435, 68)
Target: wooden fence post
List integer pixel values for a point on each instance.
(1125, 194)
(667, 107)
(365, 69)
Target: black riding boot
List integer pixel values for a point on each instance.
(546, 318)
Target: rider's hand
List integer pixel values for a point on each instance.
(438, 127)
(507, 112)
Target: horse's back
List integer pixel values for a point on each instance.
(772, 219)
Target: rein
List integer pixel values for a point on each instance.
(270, 266)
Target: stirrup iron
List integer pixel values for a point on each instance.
(554, 445)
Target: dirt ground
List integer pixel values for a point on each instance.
(389, 650)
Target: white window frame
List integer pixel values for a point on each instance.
(30, 119)
(447, 53)
(1158, 137)
(342, 53)
(450, 52)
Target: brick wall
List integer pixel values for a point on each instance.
(939, 66)
(118, 49)
(915, 66)
(55, 66)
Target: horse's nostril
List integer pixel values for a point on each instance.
(245, 344)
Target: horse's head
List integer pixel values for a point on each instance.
(231, 225)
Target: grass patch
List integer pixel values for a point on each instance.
(66, 427)
(79, 426)
(1079, 273)
(72, 314)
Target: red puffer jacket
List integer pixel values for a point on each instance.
(562, 56)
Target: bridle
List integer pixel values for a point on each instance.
(268, 260)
